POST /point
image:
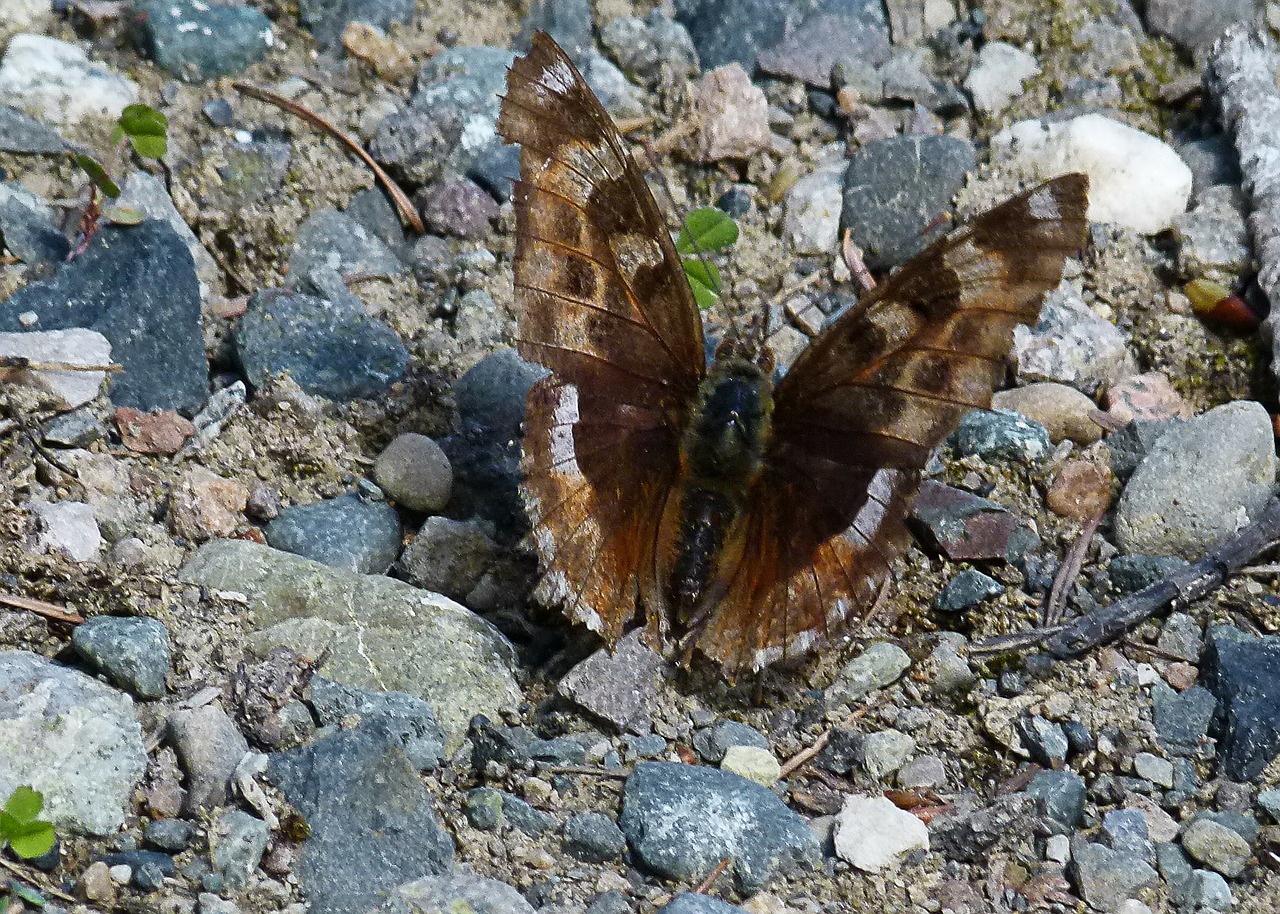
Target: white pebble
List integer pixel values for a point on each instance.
(872, 834)
(997, 76)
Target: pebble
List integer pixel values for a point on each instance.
(1125, 830)
(238, 842)
(1044, 739)
(332, 349)
(1213, 238)
(411, 718)
(363, 842)
(968, 589)
(137, 287)
(618, 94)
(173, 835)
(1182, 719)
(348, 532)
(1064, 412)
(855, 35)
(96, 886)
(642, 47)
(593, 837)
(203, 505)
(1000, 435)
(335, 241)
(1243, 673)
(1131, 573)
(1107, 878)
(1154, 769)
(873, 835)
(880, 665)
(522, 815)
(725, 31)
(56, 82)
(519, 747)
(49, 712)
(1201, 482)
(1061, 795)
(1070, 345)
(1146, 398)
(132, 651)
(1195, 26)
(162, 433)
(689, 903)
(997, 76)
(619, 685)
(664, 818)
(713, 742)
(968, 832)
(23, 134)
(377, 633)
(483, 807)
(732, 116)
(68, 527)
(1135, 179)
(924, 771)
(449, 556)
(197, 41)
(811, 222)
(255, 168)
(67, 389)
(28, 228)
(209, 747)
(894, 190)
(967, 527)
(328, 19)
(883, 752)
(752, 763)
(458, 207)
(1216, 846)
(1081, 490)
(1212, 159)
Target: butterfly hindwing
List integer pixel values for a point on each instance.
(603, 304)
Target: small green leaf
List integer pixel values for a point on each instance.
(146, 128)
(28, 894)
(704, 279)
(123, 215)
(706, 230)
(32, 839)
(97, 174)
(24, 804)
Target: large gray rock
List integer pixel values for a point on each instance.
(373, 632)
(70, 737)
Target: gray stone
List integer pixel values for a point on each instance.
(1269, 800)
(569, 22)
(1207, 891)
(1195, 25)
(524, 816)
(27, 228)
(421, 737)
(209, 747)
(829, 41)
(413, 471)
(1216, 846)
(519, 746)
(1201, 482)
(326, 19)
(197, 40)
(67, 527)
(449, 556)
(883, 752)
(619, 685)
(458, 207)
(1243, 673)
(173, 835)
(26, 135)
(237, 847)
(642, 47)
(1154, 769)
(968, 589)
(1213, 238)
(483, 807)
(968, 831)
(1180, 636)
(58, 83)
(812, 219)
(924, 771)
(1131, 445)
(664, 816)
(349, 532)
(1107, 878)
(1044, 739)
(143, 191)
(373, 825)
(132, 651)
(458, 892)
(689, 903)
(894, 190)
(1212, 159)
(1131, 573)
(338, 242)
(1125, 830)
(373, 632)
(997, 76)
(593, 837)
(1000, 434)
(880, 665)
(1061, 795)
(712, 742)
(1070, 345)
(70, 737)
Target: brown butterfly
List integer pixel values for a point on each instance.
(750, 522)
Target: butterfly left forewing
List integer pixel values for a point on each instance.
(858, 413)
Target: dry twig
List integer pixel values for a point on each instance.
(705, 885)
(804, 756)
(41, 608)
(1069, 573)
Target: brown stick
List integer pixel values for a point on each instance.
(705, 885)
(41, 608)
(804, 756)
(1069, 573)
(408, 212)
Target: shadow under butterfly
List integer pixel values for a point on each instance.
(747, 522)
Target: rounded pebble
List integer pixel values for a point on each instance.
(414, 471)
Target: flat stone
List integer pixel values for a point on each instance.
(348, 532)
(68, 527)
(196, 40)
(619, 685)
(449, 557)
(454, 892)
(732, 116)
(58, 83)
(337, 242)
(873, 835)
(880, 665)
(713, 742)
(26, 135)
(412, 718)
(1107, 878)
(967, 527)
(132, 651)
(827, 40)
(240, 842)
(1216, 846)
(1065, 412)
(1243, 673)
(812, 219)
(593, 837)
(1070, 345)
(753, 763)
(1000, 435)
(1061, 795)
(210, 746)
(76, 346)
(1182, 719)
(1195, 26)
(28, 228)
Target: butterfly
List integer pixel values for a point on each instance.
(747, 521)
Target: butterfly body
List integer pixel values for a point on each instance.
(745, 521)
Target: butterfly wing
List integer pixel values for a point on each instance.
(604, 305)
(857, 415)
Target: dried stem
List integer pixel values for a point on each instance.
(41, 608)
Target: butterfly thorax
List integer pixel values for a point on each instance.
(721, 454)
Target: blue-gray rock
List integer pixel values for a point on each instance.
(643, 47)
(613, 901)
(27, 231)
(1207, 891)
(894, 190)
(1044, 740)
(531, 821)
(857, 36)
(1131, 573)
(332, 348)
(374, 212)
(1107, 878)
(485, 451)
(496, 169)
(256, 169)
(1201, 482)
(76, 429)
(519, 746)
(1182, 719)
(196, 40)
(209, 747)
(1125, 830)
(373, 823)
(219, 112)
(1175, 866)
(136, 286)
(689, 903)
(724, 31)
(347, 532)
(133, 651)
(619, 685)
(1193, 25)
(1242, 823)
(1061, 795)
(25, 135)
(173, 835)
(648, 745)
(452, 117)
(1212, 159)
(968, 834)
(414, 471)
(593, 837)
(1243, 673)
(1131, 445)
(338, 242)
(409, 717)
(665, 818)
(1180, 636)
(1000, 434)
(967, 589)
(713, 742)
(326, 19)
(1269, 800)
(880, 665)
(147, 868)
(449, 556)
(455, 893)
(483, 807)
(569, 22)
(240, 842)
